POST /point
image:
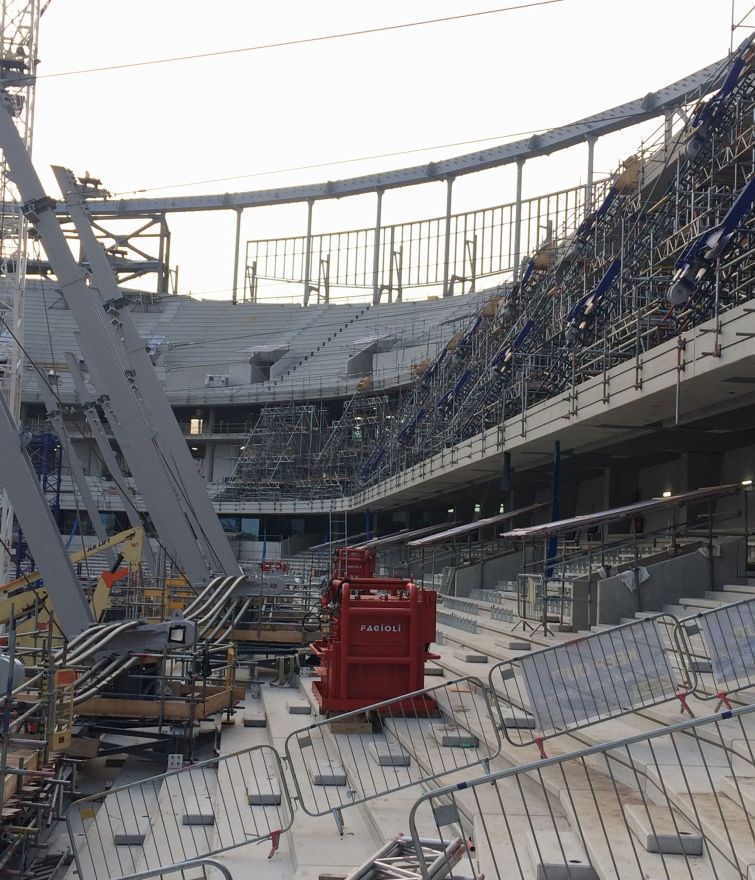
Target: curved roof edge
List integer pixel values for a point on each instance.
(696, 85)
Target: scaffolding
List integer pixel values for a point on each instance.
(19, 24)
(646, 255)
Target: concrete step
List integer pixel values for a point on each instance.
(559, 856)
(695, 602)
(728, 597)
(739, 588)
(677, 610)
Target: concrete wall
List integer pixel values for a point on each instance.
(485, 575)
(669, 581)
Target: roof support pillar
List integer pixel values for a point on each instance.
(447, 237)
(518, 218)
(236, 249)
(376, 249)
(308, 254)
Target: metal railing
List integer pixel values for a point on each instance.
(392, 745)
(183, 867)
(722, 649)
(669, 804)
(608, 674)
(187, 814)
(459, 249)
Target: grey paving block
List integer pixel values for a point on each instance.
(454, 737)
(266, 794)
(201, 817)
(522, 722)
(299, 707)
(435, 670)
(660, 831)
(390, 754)
(513, 644)
(326, 773)
(471, 657)
(559, 856)
(255, 718)
(129, 838)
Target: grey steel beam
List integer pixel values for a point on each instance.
(236, 249)
(55, 415)
(89, 403)
(102, 349)
(654, 104)
(447, 237)
(72, 611)
(518, 219)
(376, 292)
(168, 439)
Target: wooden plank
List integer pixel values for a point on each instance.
(19, 760)
(173, 710)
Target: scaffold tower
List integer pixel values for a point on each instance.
(19, 23)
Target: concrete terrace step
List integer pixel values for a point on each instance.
(695, 602)
(728, 597)
(748, 589)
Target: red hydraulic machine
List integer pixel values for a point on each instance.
(380, 635)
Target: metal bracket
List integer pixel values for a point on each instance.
(338, 816)
(34, 207)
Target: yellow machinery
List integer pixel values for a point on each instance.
(27, 604)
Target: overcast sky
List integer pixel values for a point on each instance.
(168, 127)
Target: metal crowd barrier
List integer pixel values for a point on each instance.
(180, 816)
(722, 649)
(392, 745)
(454, 604)
(457, 622)
(671, 804)
(585, 681)
(187, 871)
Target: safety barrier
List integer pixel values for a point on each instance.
(392, 745)
(183, 867)
(460, 605)
(670, 804)
(180, 816)
(457, 622)
(500, 613)
(722, 645)
(582, 682)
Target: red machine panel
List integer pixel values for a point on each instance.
(379, 641)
